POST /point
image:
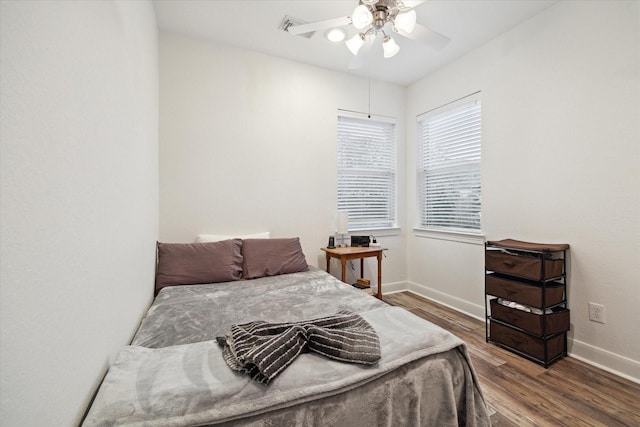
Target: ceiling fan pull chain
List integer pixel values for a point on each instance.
(369, 66)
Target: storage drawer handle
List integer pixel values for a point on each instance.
(509, 263)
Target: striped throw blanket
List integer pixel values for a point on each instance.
(263, 350)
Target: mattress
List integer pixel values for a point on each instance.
(174, 374)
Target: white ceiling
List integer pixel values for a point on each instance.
(253, 25)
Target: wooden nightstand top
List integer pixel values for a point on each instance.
(354, 250)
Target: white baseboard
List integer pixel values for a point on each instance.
(390, 288)
(604, 359)
(598, 357)
(470, 309)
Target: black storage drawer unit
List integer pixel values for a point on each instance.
(523, 266)
(533, 275)
(524, 292)
(552, 323)
(528, 345)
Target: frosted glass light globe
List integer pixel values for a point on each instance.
(361, 17)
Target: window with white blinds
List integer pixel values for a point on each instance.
(449, 141)
(367, 171)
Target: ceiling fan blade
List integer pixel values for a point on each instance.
(412, 3)
(319, 25)
(427, 36)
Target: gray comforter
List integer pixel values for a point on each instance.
(174, 373)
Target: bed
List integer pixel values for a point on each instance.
(174, 372)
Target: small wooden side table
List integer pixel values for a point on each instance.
(350, 253)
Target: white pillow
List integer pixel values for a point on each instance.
(203, 238)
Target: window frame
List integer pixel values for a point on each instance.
(390, 223)
(423, 229)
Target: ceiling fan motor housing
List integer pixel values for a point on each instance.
(379, 19)
(383, 11)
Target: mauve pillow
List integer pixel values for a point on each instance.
(196, 263)
(270, 257)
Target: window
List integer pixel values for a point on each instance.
(449, 142)
(367, 171)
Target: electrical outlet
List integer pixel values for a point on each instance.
(596, 312)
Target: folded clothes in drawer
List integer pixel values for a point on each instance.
(555, 322)
(527, 344)
(523, 266)
(527, 294)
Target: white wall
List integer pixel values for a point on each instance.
(561, 163)
(79, 185)
(248, 144)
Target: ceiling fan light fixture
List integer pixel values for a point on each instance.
(406, 21)
(389, 47)
(335, 34)
(361, 17)
(355, 43)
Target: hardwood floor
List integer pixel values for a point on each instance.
(521, 393)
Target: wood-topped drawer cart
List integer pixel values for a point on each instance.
(526, 298)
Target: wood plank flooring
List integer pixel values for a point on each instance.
(519, 392)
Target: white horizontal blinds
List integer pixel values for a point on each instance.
(367, 172)
(449, 167)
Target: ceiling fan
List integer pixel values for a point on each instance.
(373, 17)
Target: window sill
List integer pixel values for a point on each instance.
(454, 236)
(377, 232)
